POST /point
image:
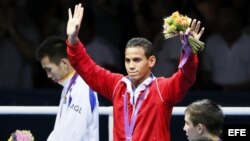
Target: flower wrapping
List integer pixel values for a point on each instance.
(21, 135)
(187, 51)
(176, 23)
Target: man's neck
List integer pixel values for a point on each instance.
(137, 83)
(213, 137)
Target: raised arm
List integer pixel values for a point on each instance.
(99, 79)
(180, 82)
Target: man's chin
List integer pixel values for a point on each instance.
(133, 77)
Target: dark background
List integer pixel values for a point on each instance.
(114, 20)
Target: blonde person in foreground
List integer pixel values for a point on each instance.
(142, 103)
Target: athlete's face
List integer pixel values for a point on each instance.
(54, 72)
(192, 132)
(138, 66)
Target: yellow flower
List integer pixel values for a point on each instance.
(10, 139)
(185, 21)
(175, 15)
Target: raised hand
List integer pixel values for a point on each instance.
(195, 30)
(74, 23)
(194, 39)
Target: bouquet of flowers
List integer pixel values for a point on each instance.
(21, 135)
(176, 23)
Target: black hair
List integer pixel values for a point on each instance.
(53, 47)
(143, 43)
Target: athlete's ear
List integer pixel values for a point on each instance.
(65, 63)
(151, 61)
(200, 128)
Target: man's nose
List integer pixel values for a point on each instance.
(131, 65)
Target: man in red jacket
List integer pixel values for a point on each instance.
(142, 103)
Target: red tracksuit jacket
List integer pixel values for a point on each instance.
(153, 120)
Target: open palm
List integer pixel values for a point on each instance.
(195, 29)
(74, 22)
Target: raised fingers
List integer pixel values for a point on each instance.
(70, 14)
(79, 10)
(75, 11)
(197, 27)
(193, 24)
(201, 32)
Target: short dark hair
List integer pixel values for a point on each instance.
(141, 42)
(208, 113)
(54, 47)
